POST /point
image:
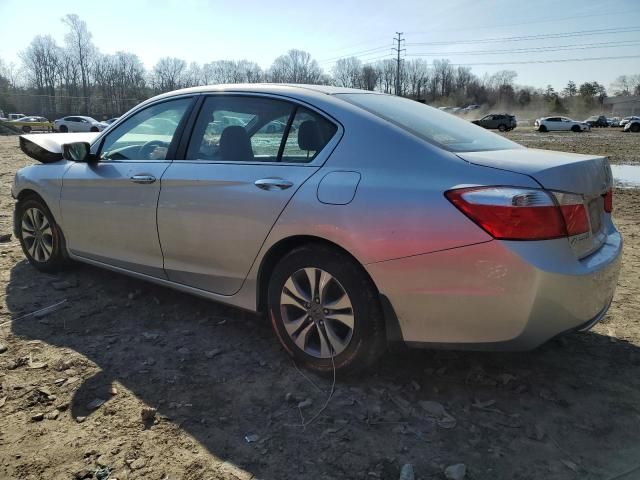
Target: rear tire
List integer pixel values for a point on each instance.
(502, 127)
(40, 236)
(63, 129)
(325, 310)
(543, 129)
(26, 129)
(635, 128)
(94, 129)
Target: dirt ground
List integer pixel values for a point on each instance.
(621, 147)
(76, 383)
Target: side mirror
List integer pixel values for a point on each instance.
(77, 152)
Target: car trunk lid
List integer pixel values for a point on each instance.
(586, 175)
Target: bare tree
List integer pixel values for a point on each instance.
(370, 76)
(168, 74)
(79, 44)
(347, 72)
(296, 66)
(42, 60)
(417, 75)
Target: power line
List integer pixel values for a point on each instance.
(561, 60)
(354, 54)
(522, 38)
(584, 46)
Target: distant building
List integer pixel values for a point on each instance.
(623, 106)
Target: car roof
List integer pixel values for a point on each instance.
(298, 91)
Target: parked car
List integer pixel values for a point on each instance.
(626, 120)
(27, 124)
(613, 121)
(78, 124)
(15, 116)
(500, 121)
(110, 121)
(559, 124)
(596, 121)
(632, 125)
(379, 219)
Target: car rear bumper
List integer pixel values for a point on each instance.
(499, 295)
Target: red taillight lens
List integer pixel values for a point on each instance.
(510, 213)
(608, 201)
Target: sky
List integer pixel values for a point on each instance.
(468, 32)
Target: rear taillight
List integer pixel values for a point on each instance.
(608, 201)
(511, 213)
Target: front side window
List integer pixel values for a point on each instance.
(147, 134)
(446, 131)
(257, 129)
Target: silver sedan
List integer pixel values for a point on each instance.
(351, 219)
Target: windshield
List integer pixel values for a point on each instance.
(447, 131)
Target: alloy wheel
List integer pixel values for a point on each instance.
(37, 234)
(317, 313)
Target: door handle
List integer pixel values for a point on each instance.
(143, 179)
(273, 184)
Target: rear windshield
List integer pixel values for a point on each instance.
(443, 129)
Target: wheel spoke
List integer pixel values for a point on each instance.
(325, 349)
(341, 303)
(26, 226)
(32, 247)
(296, 292)
(344, 318)
(32, 217)
(303, 337)
(337, 344)
(294, 325)
(313, 283)
(44, 225)
(38, 251)
(47, 248)
(325, 279)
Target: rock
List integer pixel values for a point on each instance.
(305, 403)
(38, 417)
(62, 406)
(183, 351)
(148, 414)
(251, 438)
(570, 465)
(5, 238)
(52, 415)
(95, 404)
(138, 463)
(37, 365)
(406, 473)
(151, 336)
(212, 353)
(3, 400)
(3, 348)
(113, 390)
(455, 472)
(80, 419)
(416, 386)
(82, 474)
(291, 398)
(437, 411)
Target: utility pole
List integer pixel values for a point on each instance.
(399, 50)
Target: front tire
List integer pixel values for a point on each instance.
(576, 129)
(63, 129)
(40, 236)
(635, 128)
(26, 129)
(543, 129)
(325, 310)
(502, 127)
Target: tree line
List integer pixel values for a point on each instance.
(76, 78)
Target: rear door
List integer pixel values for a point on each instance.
(109, 206)
(246, 157)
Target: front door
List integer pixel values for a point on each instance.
(246, 158)
(109, 206)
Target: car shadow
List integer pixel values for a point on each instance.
(569, 409)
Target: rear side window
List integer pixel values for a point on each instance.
(446, 131)
(257, 129)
